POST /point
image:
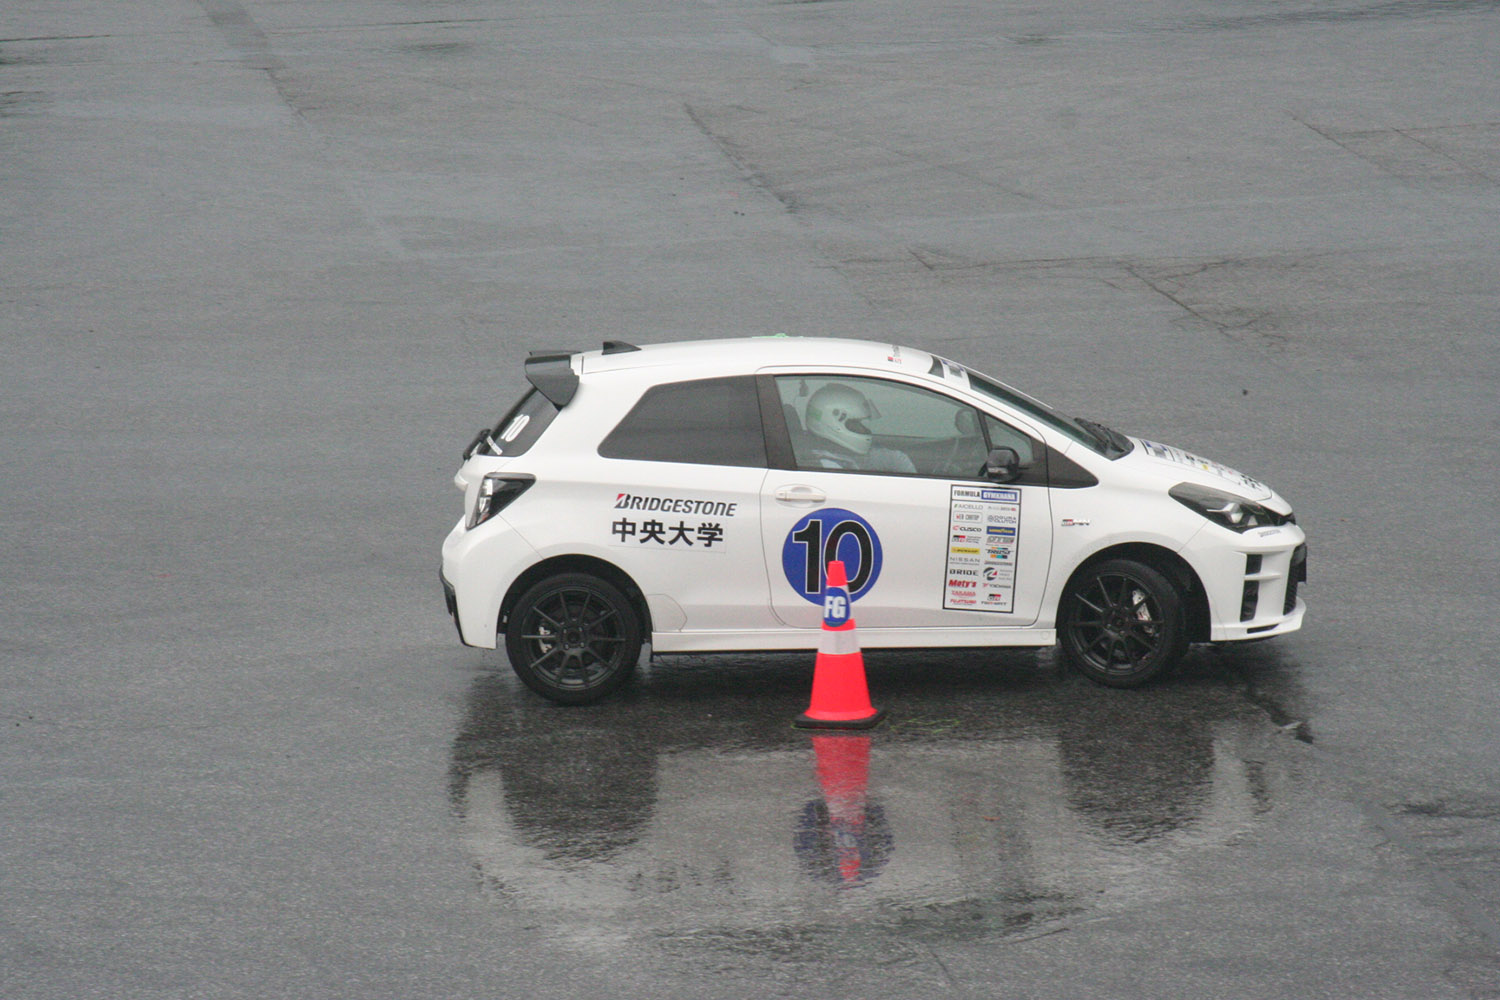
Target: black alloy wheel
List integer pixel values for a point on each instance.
(573, 638)
(1122, 623)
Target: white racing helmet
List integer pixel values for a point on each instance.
(838, 413)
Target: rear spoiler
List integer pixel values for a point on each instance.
(552, 374)
(552, 371)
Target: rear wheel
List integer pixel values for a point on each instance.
(573, 638)
(1123, 623)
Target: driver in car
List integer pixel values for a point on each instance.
(836, 416)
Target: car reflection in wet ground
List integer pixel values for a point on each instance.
(1003, 798)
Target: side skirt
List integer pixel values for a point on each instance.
(869, 638)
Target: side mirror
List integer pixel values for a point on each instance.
(1003, 465)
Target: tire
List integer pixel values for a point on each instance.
(1122, 623)
(573, 638)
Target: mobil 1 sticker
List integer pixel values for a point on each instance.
(822, 537)
(984, 527)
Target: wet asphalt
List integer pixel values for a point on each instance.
(264, 267)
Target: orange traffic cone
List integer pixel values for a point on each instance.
(840, 699)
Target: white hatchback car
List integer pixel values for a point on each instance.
(693, 494)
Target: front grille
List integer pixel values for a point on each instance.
(1295, 578)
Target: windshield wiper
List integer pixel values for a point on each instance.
(1110, 440)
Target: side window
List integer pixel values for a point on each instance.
(872, 425)
(1003, 435)
(713, 421)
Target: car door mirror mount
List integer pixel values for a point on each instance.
(1003, 465)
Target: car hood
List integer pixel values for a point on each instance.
(1187, 467)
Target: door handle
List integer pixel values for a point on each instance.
(800, 496)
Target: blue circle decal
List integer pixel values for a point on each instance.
(820, 538)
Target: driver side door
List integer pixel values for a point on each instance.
(927, 541)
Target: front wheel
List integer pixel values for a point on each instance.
(1122, 623)
(573, 638)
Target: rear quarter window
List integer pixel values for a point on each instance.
(518, 430)
(713, 421)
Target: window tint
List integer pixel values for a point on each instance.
(712, 421)
(872, 425)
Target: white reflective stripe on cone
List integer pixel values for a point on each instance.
(839, 642)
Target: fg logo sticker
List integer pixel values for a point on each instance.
(835, 608)
(822, 537)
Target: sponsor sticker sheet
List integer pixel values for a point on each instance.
(984, 526)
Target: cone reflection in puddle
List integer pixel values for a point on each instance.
(844, 838)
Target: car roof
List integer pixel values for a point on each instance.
(746, 354)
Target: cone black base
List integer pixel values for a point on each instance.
(868, 722)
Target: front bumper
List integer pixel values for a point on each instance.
(1253, 582)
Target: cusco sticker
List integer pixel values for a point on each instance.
(820, 538)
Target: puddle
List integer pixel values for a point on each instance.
(997, 803)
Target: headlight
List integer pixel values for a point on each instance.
(496, 491)
(1226, 509)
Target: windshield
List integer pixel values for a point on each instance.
(1094, 436)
